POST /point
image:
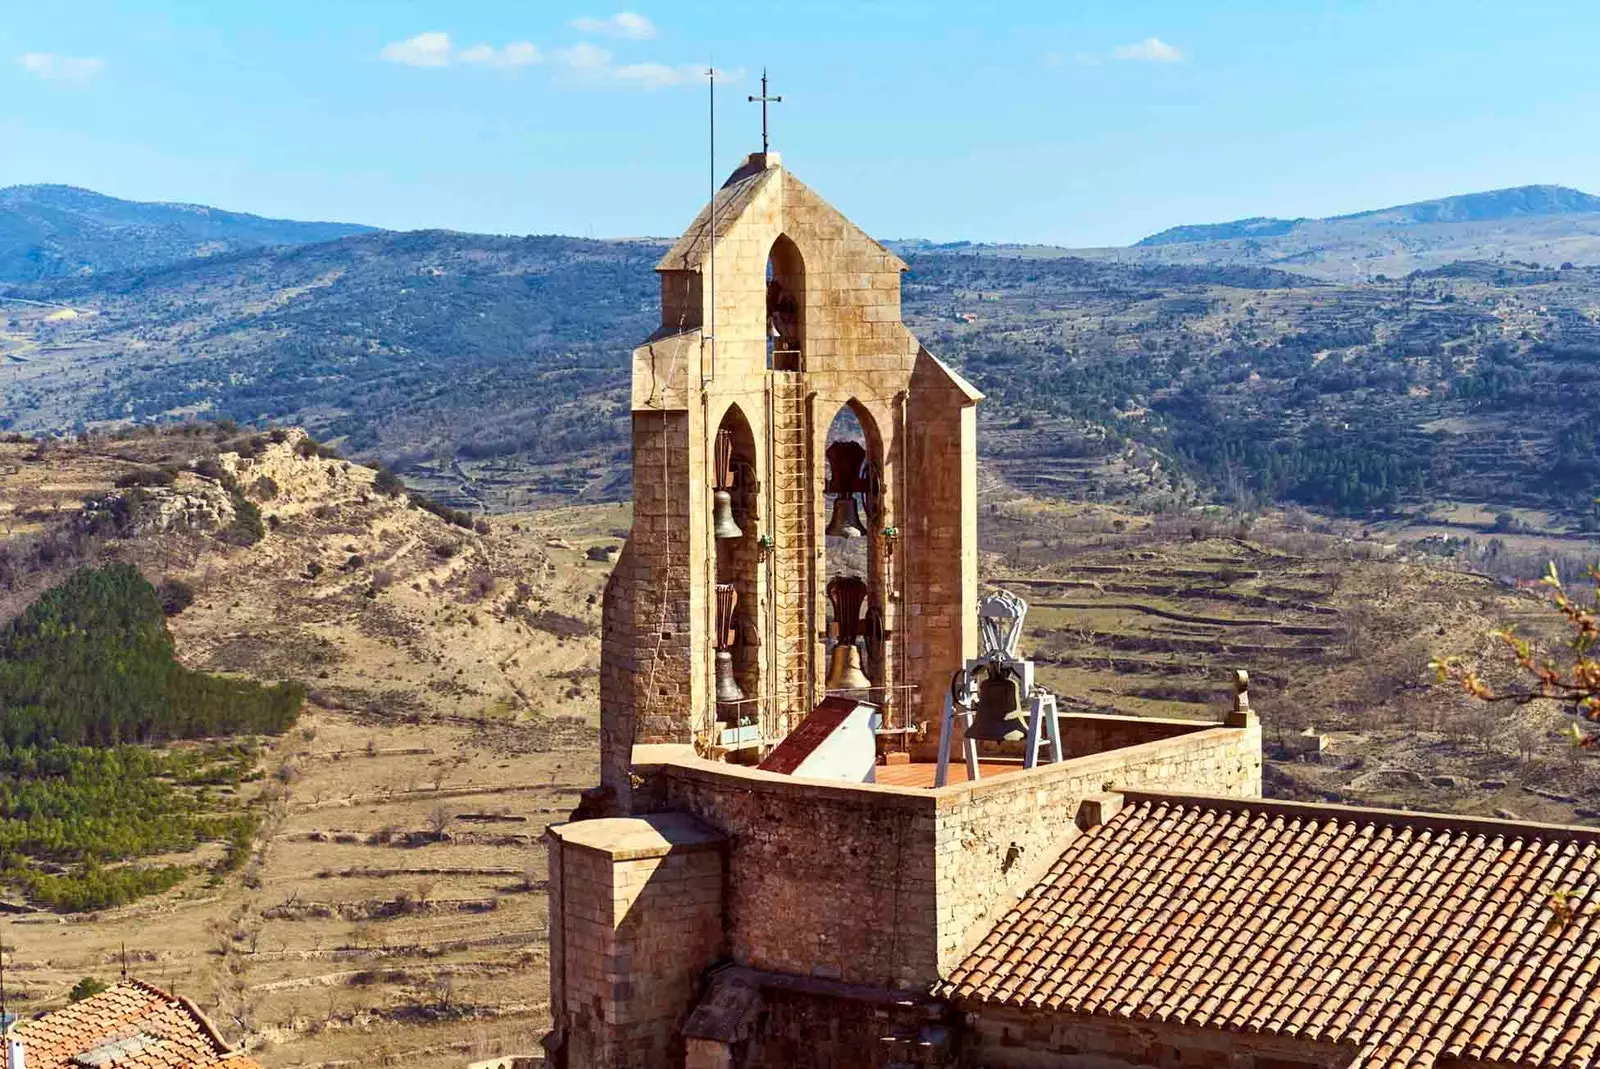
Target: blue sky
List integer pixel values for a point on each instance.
(1067, 122)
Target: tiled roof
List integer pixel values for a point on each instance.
(131, 1025)
(812, 732)
(1412, 937)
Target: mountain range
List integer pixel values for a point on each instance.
(1540, 224)
(1498, 205)
(493, 370)
(49, 231)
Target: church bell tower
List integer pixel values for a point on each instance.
(804, 481)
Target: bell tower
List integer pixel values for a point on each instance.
(804, 479)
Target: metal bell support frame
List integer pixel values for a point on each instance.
(723, 524)
(727, 635)
(990, 692)
(846, 593)
(844, 479)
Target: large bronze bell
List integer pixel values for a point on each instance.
(726, 636)
(727, 686)
(999, 715)
(846, 519)
(844, 669)
(723, 523)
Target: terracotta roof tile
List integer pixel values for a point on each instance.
(131, 1025)
(1410, 937)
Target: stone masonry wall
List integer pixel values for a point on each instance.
(646, 679)
(631, 932)
(801, 1029)
(1007, 1038)
(824, 880)
(889, 886)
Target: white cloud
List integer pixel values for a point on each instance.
(584, 56)
(435, 49)
(586, 62)
(631, 25)
(656, 75)
(593, 65)
(515, 54)
(1150, 50)
(58, 68)
(424, 50)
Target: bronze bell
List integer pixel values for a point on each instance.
(727, 686)
(999, 715)
(722, 519)
(844, 669)
(846, 520)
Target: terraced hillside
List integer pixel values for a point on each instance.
(1152, 615)
(392, 910)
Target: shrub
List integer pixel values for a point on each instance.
(175, 595)
(387, 482)
(145, 477)
(247, 527)
(88, 987)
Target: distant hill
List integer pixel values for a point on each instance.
(1520, 202)
(48, 231)
(1531, 225)
(424, 346)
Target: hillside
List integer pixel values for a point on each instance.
(1544, 224)
(391, 906)
(424, 348)
(492, 371)
(48, 231)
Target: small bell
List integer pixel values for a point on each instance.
(846, 519)
(727, 686)
(999, 715)
(844, 669)
(722, 515)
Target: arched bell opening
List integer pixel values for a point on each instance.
(852, 555)
(786, 307)
(735, 528)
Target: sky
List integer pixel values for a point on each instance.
(1071, 122)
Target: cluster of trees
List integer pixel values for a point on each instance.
(1317, 396)
(86, 672)
(91, 663)
(73, 818)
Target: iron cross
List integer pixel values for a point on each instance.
(765, 100)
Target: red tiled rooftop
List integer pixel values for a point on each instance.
(921, 774)
(1412, 937)
(167, 1033)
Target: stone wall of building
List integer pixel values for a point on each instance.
(825, 880)
(1004, 1038)
(647, 651)
(1084, 734)
(636, 917)
(801, 1028)
(887, 886)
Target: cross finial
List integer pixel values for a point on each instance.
(765, 100)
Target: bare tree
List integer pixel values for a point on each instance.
(439, 821)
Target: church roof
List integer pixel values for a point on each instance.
(1411, 937)
(130, 1025)
(811, 733)
(731, 201)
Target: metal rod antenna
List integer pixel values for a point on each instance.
(711, 223)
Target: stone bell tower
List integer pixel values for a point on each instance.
(780, 338)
